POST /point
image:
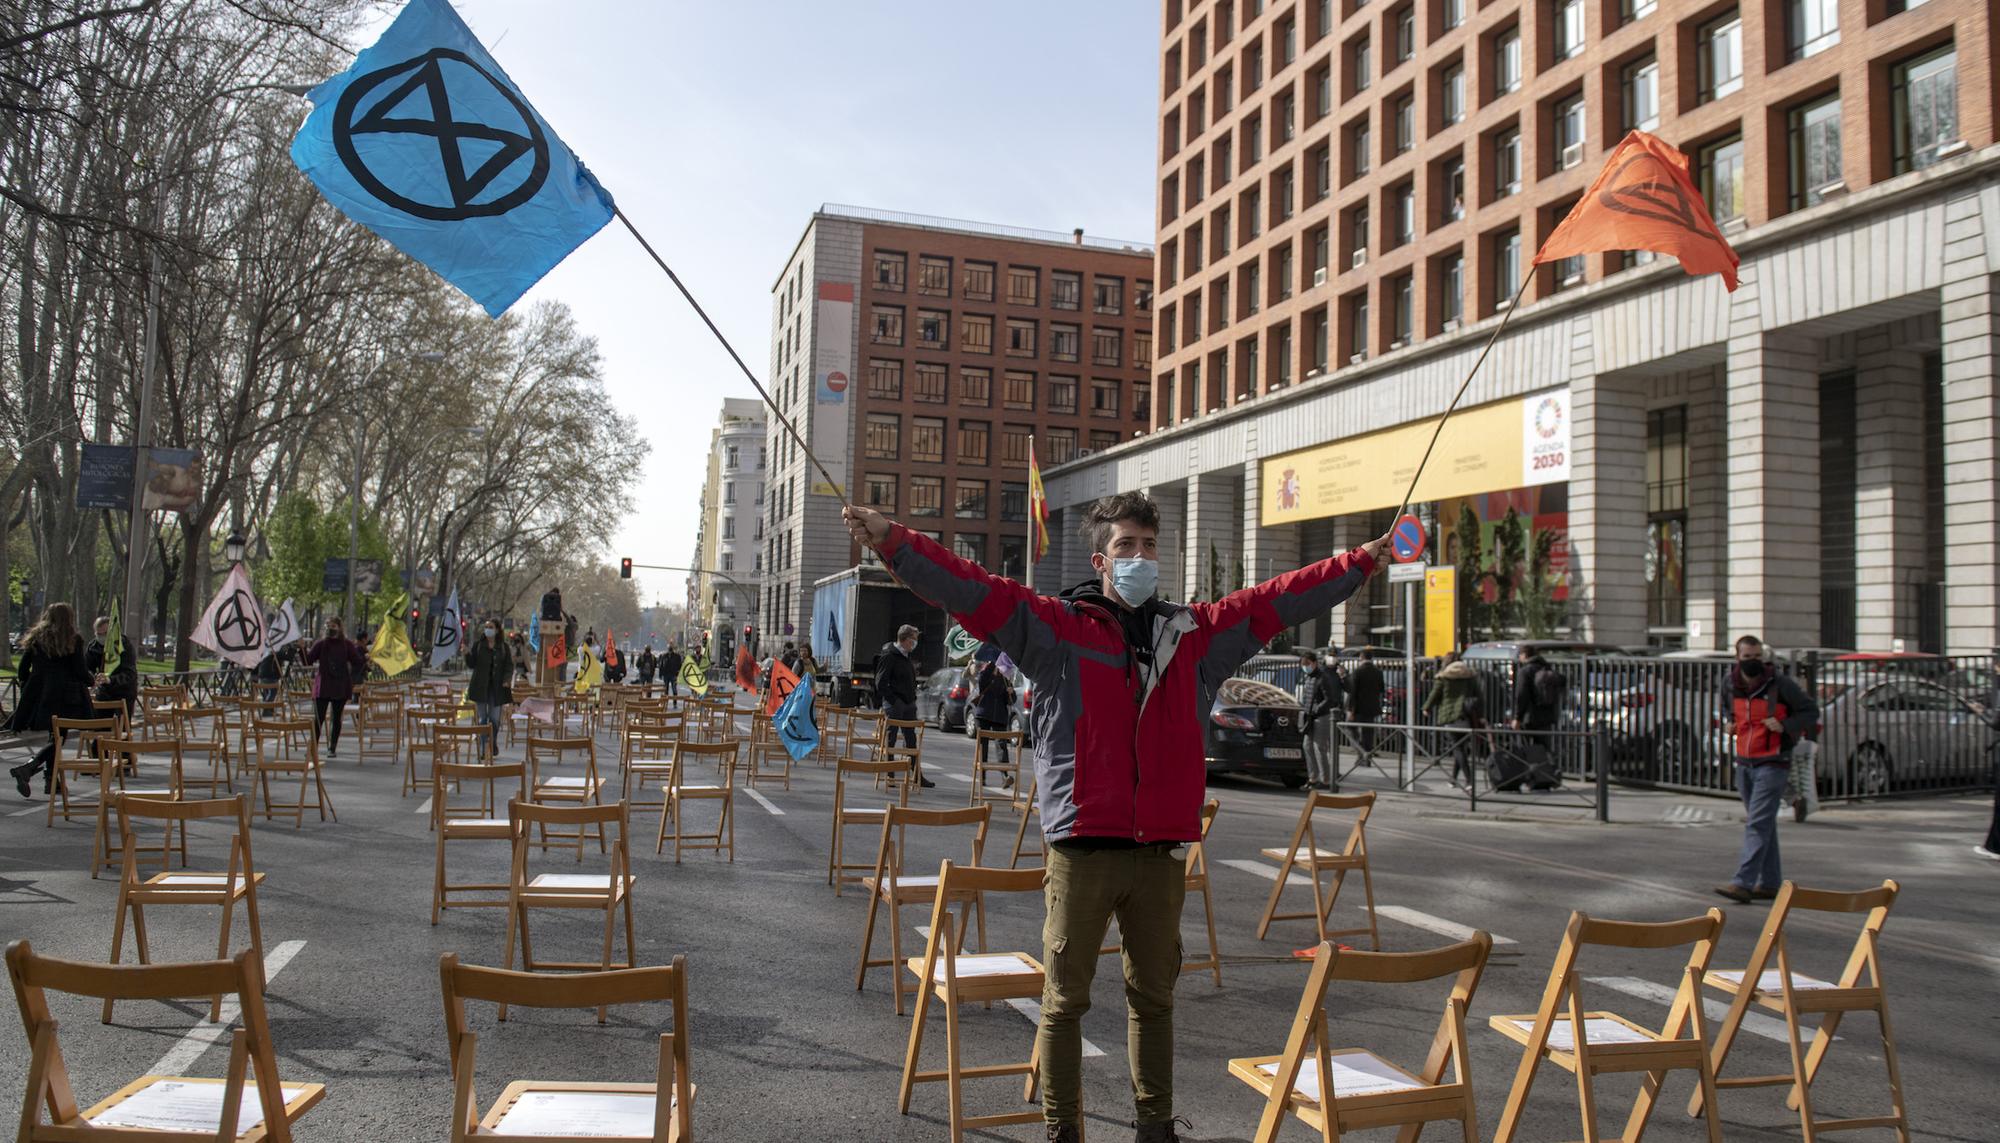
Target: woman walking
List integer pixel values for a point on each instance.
(339, 660)
(55, 683)
(492, 685)
(1455, 702)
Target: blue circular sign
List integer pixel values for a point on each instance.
(1408, 539)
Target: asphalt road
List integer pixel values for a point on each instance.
(784, 1047)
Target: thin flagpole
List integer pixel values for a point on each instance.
(1512, 303)
(734, 356)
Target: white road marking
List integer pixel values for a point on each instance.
(1267, 872)
(960, 778)
(1032, 1009)
(426, 807)
(41, 809)
(1755, 1023)
(1437, 925)
(763, 801)
(199, 1038)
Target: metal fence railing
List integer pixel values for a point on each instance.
(1465, 764)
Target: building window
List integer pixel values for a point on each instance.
(1925, 95)
(1451, 90)
(889, 270)
(1061, 446)
(931, 326)
(1322, 87)
(1361, 64)
(1281, 353)
(1507, 62)
(1065, 342)
(970, 503)
(1253, 210)
(979, 281)
(1105, 345)
(1406, 123)
(1024, 286)
(1452, 189)
(1283, 271)
(1317, 244)
(1107, 295)
(734, 455)
(1403, 294)
(1142, 296)
(1285, 193)
(975, 387)
(1569, 28)
(1253, 289)
(1811, 27)
(1507, 163)
(1142, 349)
(1014, 443)
(1017, 390)
(974, 441)
(1406, 33)
(1357, 324)
(1013, 503)
(1815, 147)
(1666, 516)
(1142, 401)
(883, 439)
(1103, 397)
(1640, 85)
(880, 489)
(885, 379)
(1101, 439)
(1363, 147)
(1286, 108)
(1288, 41)
(926, 496)
(1506, 267)
(975, 333)
(969, 546)
(1569, 132)
(933, 385)
(1404, 199)
(927, 439)
(1062, 395)
(1451, 291)
(1020, 337)
(888, 325)
(1719, 60)
(1321, 158)
(729, 490)
(1357, 237)
(933, 276)
(1721, 167)
(1630, 10)
(1066, 290)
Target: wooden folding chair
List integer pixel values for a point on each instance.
(460, 745)
(955, 980)
(420, 732)
(895, 732)
(117, 709)
(248, 712)
(204, 735)
(839, 871)
(892, 885)
(1590, 1044)
(1197, 882)
(609, 892)
(238, 882)
(769, 763)
(378, 728)
(1796, 996)
(1031, 811)
(1305, 853)
(864, 733)
(134, 755)
(283, 749)
(154, 1107)
(156, 707)
(481, 822)
(632, 1112)
(647, 758)
(680, 791)
(983, 742)
(1337, 1090)
(77, 755)
(550, 789)
(833, 729)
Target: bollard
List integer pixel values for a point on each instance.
(1602, 742)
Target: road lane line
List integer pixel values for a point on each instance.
(1032, 1009)
(199, 1038)
(1267, 872)
(1437, 925)
(1755, 1023)
(426, 807)
(41, 809)
(763, 801)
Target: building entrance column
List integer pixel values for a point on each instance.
(1971, 329)
(1889, 511)
(1214, 532)
(1772, 580)
(1607, 507)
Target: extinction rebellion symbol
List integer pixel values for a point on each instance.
(239, 623)
(470, 154)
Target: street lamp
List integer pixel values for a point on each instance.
(232, 548)
(354, 506)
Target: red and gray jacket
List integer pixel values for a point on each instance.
(1120, 748)
(1771, 695)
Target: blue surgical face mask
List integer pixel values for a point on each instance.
(1135, 578)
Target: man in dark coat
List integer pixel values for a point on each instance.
(648, 663)
(896, 687)
(670, 669)
(993, 707)
(1322, 694)
(1365, 693)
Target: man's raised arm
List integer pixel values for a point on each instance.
(1243, 621)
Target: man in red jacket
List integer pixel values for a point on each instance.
(1123, 682)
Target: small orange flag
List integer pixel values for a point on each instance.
(779, 687)
(1644, 200)
(746, 668)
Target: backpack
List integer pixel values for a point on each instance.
(1521, 766)
(1549, 687)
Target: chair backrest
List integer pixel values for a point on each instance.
(446, 776)
(892, 856)
(139, 749)
(552, 751)
(114, 709)
(861, 767)
(460, 743)
(208, 724)
(724, 753)
(525, 816)
(133, 811)
(955, 883)
(655, 983)
(1318, 815)
(1197, 854)
(1865, 955)
(282, 740)
(49, 1086)
(80, 736)
(1565, 984)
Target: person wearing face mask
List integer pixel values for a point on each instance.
(1123, 684)
(896, 688)
(1320, 697)
(492, 685)
(1768, 712)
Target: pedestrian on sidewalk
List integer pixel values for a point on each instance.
(1323, 697)
(1124, 682)
(339, 660)
(1768, 712)
(1366, 691)
(993, 705)
(1455, 702)
(491, 688)
(55, 679)
(1538, 694)
(670, 669)
(896, 690)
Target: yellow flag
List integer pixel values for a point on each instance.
(392, 650)
(591, 673)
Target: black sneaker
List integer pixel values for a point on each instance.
(21, 781)
(1065, 1133)
(926, 783)
(1161, 1132)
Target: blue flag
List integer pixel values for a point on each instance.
(535, 636)
(794, 721)
(425, 141)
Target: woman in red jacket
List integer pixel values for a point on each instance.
(340, 661)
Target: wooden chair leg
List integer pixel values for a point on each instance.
(1902, 1128)
(221, 953)
(915, 1050)
(1368, 896)
(954, 1066)
(117, 946)
(867, 946)
(1214, 951)
(896, 951)
(1277, 890)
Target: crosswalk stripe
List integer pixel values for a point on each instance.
(1437, 925)
(197, 1040)
(763, 801)
(426, 807)
(1033, 1011)
(1755, 1023)
(1267, 872)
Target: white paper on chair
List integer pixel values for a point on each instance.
(1772, 980)
(1562, 1037)
(571, 881)
(993, 964)
(1354, 1074)
(609, 1114)
(175, 1105)
(194, 879)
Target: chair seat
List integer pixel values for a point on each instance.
(148, 793)
(573, 881)
(848, 814)
(692, 787)
(1598, 1028)
(981, 965)
(166, 1103)
(925, 881)
(498, 829)
(185, 880)
(609, 1110)
(1356, 1072)
(1771, 981)
(1279, 852)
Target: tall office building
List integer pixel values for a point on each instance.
(723, 591)
(919, 355)
(1349, 193)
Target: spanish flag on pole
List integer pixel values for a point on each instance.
(1038, 506)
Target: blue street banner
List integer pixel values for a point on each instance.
(425, 141)
(794, 721)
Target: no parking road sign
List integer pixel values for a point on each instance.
(1408, 539)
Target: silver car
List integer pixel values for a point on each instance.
(1882, 735)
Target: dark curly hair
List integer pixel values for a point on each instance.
(1136, 507)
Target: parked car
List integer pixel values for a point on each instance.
(1256, 728)
(1880, 736)
(941, 698)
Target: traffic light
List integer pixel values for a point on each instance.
(415, 613)
(625, 568)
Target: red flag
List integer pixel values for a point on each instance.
(780, 686)
(1644, 200)
(556, 653)
(746, 668)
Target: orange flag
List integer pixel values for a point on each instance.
(610, 648)
(780, 687)
(746, 668)
(1644, 200)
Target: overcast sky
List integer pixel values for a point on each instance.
(722, 127)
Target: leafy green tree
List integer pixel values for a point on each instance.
(1541, 612)
(1510, 554)
(1471, 564)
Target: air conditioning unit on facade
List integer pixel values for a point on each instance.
(1450, 324)
(1396, 345)
(1319, 276)
(1359, 356)
(1359, 259)
(1572, 155)
(1083, 452)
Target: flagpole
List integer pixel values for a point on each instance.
(1031, 519)
(1512, 303)
(734, 356)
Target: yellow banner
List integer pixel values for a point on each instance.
(1515, 443)
(1440, 612)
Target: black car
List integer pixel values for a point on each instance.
(1256, 728)
(941, 698)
